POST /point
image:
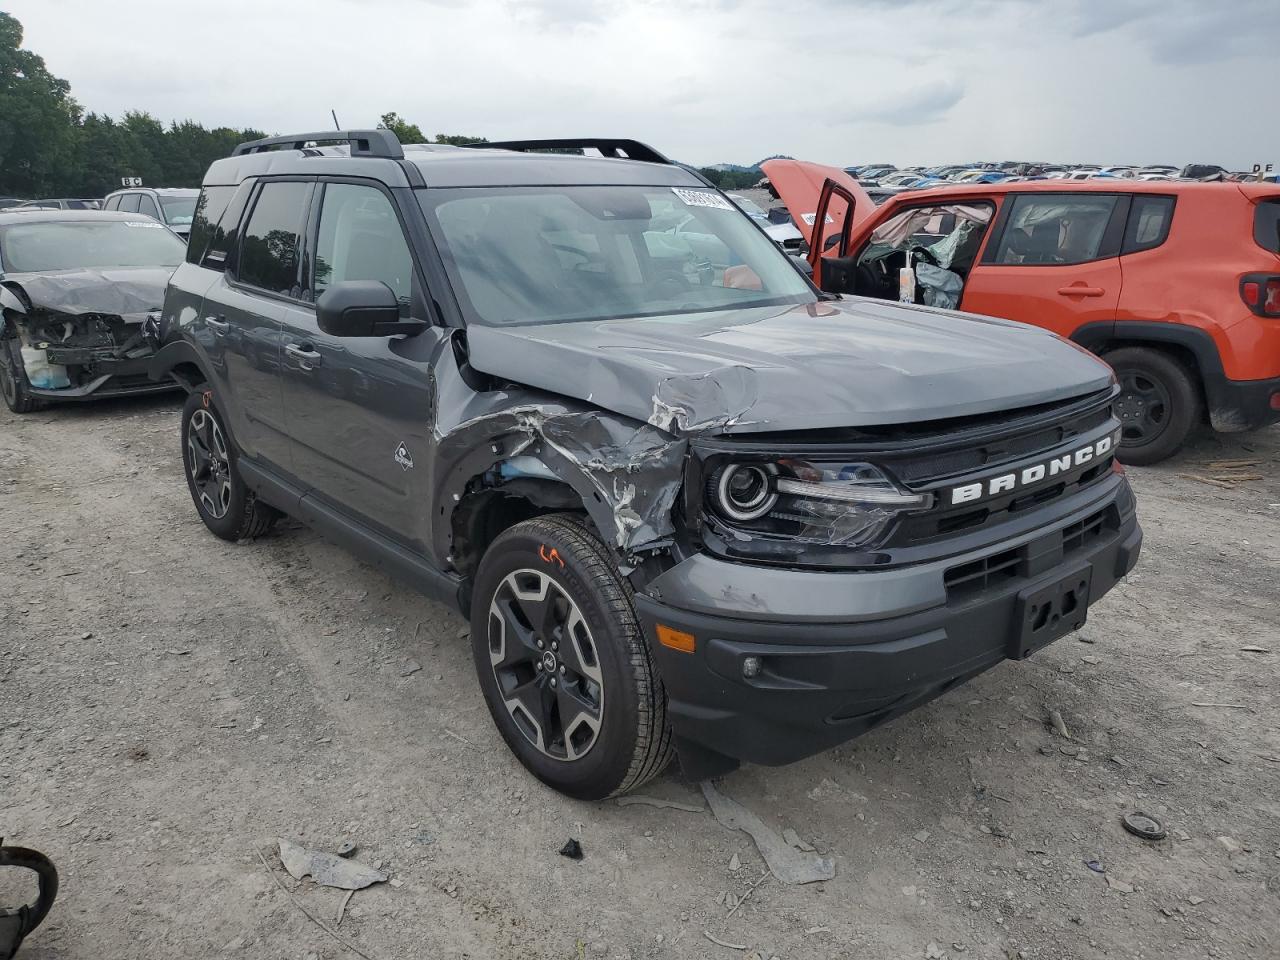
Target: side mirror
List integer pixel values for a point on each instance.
(803, 265)
(362, 308)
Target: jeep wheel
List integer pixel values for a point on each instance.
(563, 662)
(13, 378)
(228, 508)
(1158, 406)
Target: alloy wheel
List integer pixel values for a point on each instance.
(209, 463)
(545, 662)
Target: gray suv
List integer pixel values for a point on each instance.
(691, 504)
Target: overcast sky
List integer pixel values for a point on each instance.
(705, 81)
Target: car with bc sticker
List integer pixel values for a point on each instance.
(692, 506)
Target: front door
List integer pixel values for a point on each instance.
(1054, 261)
(358, 408)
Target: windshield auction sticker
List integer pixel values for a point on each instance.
(702, 198)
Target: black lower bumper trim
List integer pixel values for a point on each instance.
(820, 685)
(1238, 405)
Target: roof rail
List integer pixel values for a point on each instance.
(364, 143)
(608, 146)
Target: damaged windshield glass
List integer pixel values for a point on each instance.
(537, 254)
(88, 244)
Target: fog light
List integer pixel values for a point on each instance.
(751, 666)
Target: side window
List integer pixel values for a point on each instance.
(1055, 229)
(269, 246)
(1148, 226)
(209, 210)
(129, 203)
(1266, 225)
(113, 203)
(222, 237)
(360, 239)
(147, 206)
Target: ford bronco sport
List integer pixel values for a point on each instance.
(691, 504)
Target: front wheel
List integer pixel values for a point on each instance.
(228, 508)
(1158, 406)
(14, 384)
(563, 662)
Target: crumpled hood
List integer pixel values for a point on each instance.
(128, 292)
(854, 362)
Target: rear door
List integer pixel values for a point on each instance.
(359, 408)
(243, 311)
(1053, 261)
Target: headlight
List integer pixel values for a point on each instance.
(837, 504)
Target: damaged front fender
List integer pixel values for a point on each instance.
(627, 474)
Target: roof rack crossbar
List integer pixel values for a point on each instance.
(608, 147)
(364, 143)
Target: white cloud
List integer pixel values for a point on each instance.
(703, 80)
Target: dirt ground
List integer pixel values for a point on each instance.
(170, 704)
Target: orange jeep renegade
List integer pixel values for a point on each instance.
(1176, 284)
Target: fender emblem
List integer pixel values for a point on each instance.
(403, 457)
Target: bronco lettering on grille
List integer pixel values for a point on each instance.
(1026, 476)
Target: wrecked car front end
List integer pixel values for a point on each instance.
(85, 335)
(855, 516)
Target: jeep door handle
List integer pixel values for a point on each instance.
(1081, 291)
(219, 327)
(306, 357)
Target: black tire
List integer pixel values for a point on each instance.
(14, 384)
(228, 508)
(631, 742)
(1158, 406)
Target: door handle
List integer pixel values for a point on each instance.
(306, 357)
(217, 325)
(1080, 290)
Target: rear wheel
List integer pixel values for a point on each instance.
(1158, 406)
(563, 663)
(228, 508)
(14, 385)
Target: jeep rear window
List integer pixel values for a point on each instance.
(539, 254)
(1266, 225)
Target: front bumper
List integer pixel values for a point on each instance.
(115, 378)
(1238, 405)
(845, 652)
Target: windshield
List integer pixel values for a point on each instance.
(88, 244)
(749, 207)
(537, 254)
(179, 210)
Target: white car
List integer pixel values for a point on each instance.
(783, 234)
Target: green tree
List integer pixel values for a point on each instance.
(457, 139)
(38, 120)
(405, 132)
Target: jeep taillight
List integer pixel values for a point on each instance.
(1261, 294)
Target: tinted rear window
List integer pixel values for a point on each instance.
(269, 247)
(1266, 225)
(1149, 221)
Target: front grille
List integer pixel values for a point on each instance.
(929, 467)
(977, 576)
(968, 580)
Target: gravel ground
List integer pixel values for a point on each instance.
(170, 704)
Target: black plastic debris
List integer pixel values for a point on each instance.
(1143, 825)
(16, 924)
(571, 849)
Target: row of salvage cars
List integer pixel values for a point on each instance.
(1176, 284)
